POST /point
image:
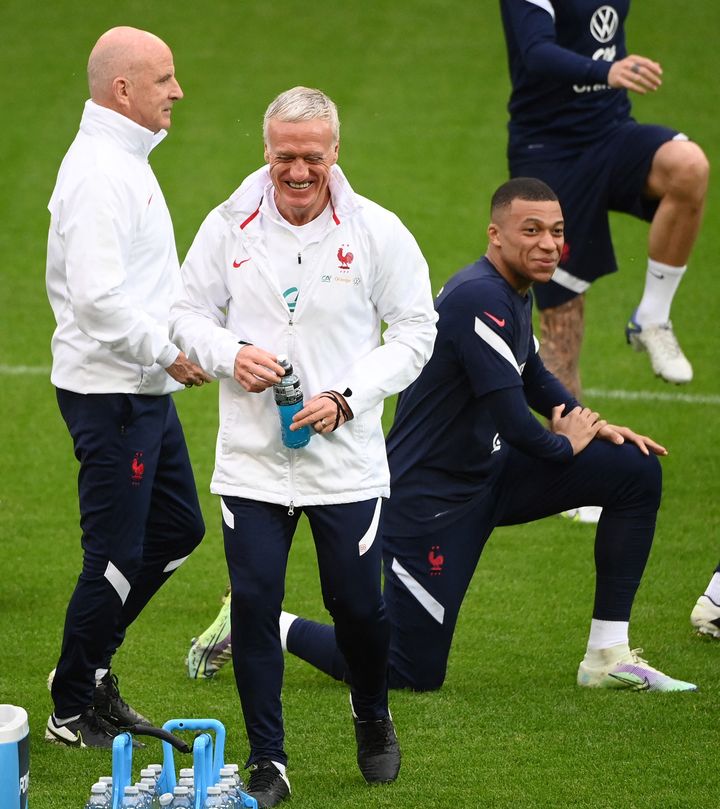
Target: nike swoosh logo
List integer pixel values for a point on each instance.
(494, 319)
(656, 274)
(631, 681)
(68, 737)
(237, 264)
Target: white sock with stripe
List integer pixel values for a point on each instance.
(661, 283)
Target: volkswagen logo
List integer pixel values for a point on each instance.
(604, 23)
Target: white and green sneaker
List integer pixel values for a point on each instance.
(705, 617)
(211, 650)
(585, 514)
(622, 668)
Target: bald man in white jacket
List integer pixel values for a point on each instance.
(112, 274)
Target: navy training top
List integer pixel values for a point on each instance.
(447, 444)
(559, 55)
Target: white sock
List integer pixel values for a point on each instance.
(286, 620)
(604, 634)
(64, 720)
(99, 674)
(661, 283)
(712, 591)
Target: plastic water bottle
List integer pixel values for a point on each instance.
(189, 782)
(231, 772)
(150, 782)
(181, 798)
(289, 400)
(166, 800)
(146, 793)
(227, 784)
(98, 797)
(235, 770)
(230, 799)
(213, 799)
(131, 798)
(107, 782)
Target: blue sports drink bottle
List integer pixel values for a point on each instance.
(289, 400)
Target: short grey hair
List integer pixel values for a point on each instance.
(303, 104)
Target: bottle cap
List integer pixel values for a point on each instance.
(97, 789)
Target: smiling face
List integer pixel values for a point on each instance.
(526, 239)
(300, 155)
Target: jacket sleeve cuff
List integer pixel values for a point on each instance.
(168, 355)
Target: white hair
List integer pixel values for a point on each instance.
(303, 104)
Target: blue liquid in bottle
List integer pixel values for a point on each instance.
(289, 400)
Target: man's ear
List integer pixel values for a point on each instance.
(266, 154)
(121, 92)
(493, 233)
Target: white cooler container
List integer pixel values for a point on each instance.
(14, 757)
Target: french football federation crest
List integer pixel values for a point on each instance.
(345, 259)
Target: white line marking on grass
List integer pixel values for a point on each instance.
(654, 396)
(625, 395)
(24, 370)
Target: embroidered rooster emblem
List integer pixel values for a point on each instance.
(345, 259)
(138, 468)
(436, 561)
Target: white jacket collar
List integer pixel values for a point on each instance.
(103, 122)
(244, 203)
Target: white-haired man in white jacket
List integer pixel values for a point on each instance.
(296, 263)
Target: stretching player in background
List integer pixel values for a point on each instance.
(570, 125)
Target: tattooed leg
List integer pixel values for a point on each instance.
(561, 335)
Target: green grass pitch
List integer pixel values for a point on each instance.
(421, 88)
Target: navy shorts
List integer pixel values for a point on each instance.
(608, 175)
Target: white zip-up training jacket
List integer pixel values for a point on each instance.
(365, 268)
(112, 266)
